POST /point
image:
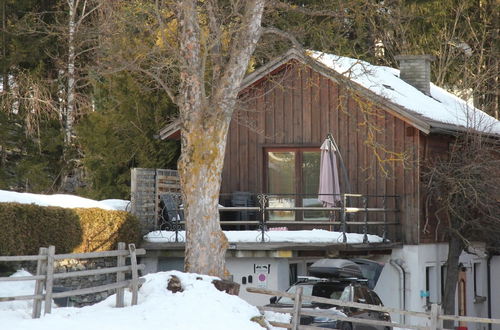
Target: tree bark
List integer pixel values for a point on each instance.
(5, 71)
(70, 99)
(455, 248)
(200, 169)
(205, 124)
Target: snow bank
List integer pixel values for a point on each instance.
(21, 288)
(199, 306)
(61, 200)
(117, 204)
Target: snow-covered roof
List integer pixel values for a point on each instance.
(440, 110)
(441, 107)
(62, 200)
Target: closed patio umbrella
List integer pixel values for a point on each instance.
(329, 189)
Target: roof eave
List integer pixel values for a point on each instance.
(292, 54)
(171, 131)
(452, 129)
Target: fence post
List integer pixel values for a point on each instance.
(434, 317)
(40, 270)
(120, 276)
(135, 277)
(49, 282)
(296, 308)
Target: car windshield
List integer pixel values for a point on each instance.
(320, 289)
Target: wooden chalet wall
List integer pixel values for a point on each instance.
(434, 147)
(296, 106)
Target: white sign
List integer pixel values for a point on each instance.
(262, 280)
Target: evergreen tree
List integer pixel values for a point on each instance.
(29, 141)
(122, 133)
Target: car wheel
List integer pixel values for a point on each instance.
(346, 326)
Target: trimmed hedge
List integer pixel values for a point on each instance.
(26, 227)
(103, 229)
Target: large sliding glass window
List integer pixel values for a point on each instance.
(293, 175)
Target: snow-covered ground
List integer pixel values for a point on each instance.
(199, 306)
(62, 200)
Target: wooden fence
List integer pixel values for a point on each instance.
(434, 318)
(45, 275)
(147, 184)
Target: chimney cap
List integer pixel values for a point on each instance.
(427, 57)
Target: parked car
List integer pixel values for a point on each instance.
(349, 290)
(371, 270)
(343, 280)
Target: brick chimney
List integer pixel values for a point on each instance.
(416, 71)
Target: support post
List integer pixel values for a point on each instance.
(384, 205)
(49, 282)
(297, 303)
(262, 204)
(135, 276)
(40, 270)
(365, 226)
(120, 277)
(343, 218)
(434, 324)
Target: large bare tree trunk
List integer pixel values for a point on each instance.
(70, 94)
(200, 170)
(5, 71)
(455, 248)
(205, 123)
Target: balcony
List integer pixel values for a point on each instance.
(262, 215)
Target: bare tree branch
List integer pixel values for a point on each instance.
(284, 35)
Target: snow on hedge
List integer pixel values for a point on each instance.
(62, 200)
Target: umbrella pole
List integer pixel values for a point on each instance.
(342, 165)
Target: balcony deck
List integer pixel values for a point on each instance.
(373, 218)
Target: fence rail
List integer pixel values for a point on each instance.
(262, 219)
(45, 275)
(434, 318)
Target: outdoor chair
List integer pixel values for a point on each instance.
(170, 213)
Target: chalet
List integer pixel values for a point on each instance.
(387, 124)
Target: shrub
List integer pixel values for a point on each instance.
(24, 228)
(103, 229)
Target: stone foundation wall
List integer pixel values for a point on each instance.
(71, 265)
(66, 284)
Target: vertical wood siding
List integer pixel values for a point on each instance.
(298, 107)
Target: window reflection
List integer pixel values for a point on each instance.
(310, 179)
(294, 172)
(281, 166)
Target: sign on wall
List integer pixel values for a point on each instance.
(262, 271)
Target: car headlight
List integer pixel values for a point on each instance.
(386, 317)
